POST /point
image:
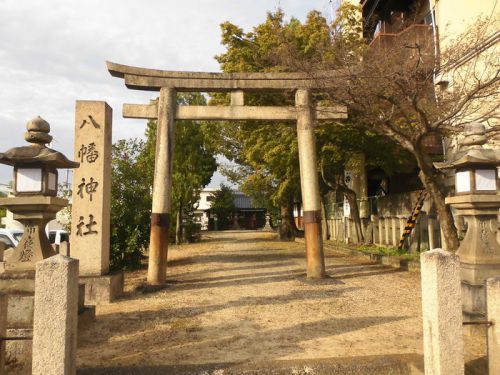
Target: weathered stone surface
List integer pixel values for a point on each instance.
(37, 137)
(154, 79)
(38, 124)
(309, 184)
(19, 352)
(55, 319)
(493, 310)
(92, 187)
(442, 313)
(3, 329)
(17, 282)
(20, 311)
(102, 289)
(64, 249)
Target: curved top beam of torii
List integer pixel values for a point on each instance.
(154, 79)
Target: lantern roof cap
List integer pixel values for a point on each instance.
(37, 153)
(473, 153)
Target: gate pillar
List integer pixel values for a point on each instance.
(162, 187)
(309, 184)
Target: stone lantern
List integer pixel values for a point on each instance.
(477, 199)
(35, 188)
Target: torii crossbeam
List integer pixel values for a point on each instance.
(166, 111)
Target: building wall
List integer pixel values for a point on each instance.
(455, 16)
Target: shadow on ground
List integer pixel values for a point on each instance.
(365, 365)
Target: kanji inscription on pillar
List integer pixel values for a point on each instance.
(90, 232)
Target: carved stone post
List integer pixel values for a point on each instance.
(309, 184)
(162, 187)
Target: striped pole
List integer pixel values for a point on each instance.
(410, 224)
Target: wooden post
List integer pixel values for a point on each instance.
(162, 187)
(309, 184)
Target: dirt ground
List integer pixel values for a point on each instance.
(240, 297)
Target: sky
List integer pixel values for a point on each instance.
(53, 53)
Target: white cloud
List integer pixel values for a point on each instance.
(53, 53)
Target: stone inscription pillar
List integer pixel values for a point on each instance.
(55, 316)
(442, 313)
(162, 187)
(90, 232)
(309, 184)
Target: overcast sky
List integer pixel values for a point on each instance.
(53, 53)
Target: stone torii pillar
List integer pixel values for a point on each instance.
(309, 184)
(162, 187)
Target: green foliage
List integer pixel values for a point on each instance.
(193, 163)
(268, 152)
(130, 205)
(223, 206)
(390, 251)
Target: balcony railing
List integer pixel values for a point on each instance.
(418, 38)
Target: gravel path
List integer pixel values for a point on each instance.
(239, 297)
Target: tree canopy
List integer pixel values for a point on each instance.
(267, 153)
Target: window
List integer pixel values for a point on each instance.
(428, 19)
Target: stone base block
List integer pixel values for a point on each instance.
(20, 311)
(19, 351)
(86, 316)
(473, 298)
(478, 273)
(102, 289)
(479, 331)
(17, 282)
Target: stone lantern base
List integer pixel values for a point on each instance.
(34, 212)
(479, 252)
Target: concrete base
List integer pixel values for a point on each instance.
(102, 289)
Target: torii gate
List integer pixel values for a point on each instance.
(166, 111)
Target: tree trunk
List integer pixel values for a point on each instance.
(285, 230)
(178, 225)
(429, 177)
(325, 232)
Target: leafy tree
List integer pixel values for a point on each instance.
(130, 204)
(267, 152)
(223, 206)
(391, 90)
(193, 164)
